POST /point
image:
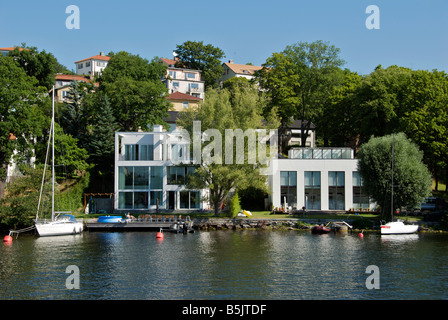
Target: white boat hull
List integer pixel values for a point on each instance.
(398, 227)
(59, 228)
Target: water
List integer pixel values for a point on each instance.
(225, 265)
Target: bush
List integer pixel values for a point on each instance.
(235, 205)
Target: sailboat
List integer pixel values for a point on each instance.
(58, 225)
(396, 227)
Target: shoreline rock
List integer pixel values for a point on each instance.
(237, 224)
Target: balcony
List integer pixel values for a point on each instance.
(321, 153)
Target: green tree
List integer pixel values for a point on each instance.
(39, 64)
(135, 92)
(424, 117)
(102, 141)
(22, 118)
(74, 118)
(238, 82)
(19, 205)
(339, 123)
(411, 178)
(298, 81)
(380, 101)
(69, 157)
(207, 58)
(241, 109)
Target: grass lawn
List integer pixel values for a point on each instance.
(268, 215)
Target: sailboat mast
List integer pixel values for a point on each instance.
(52, 161)
(392, 186)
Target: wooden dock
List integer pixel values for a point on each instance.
(152, 223)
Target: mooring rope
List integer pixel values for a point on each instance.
(21, 230)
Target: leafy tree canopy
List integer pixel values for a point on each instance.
(298, 81)
(411, 178)
(21, 112)
(204, 57)
(136, 94)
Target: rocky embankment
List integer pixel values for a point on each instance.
(234, 224)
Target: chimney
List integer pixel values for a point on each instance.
(231, 61)
(102, 53)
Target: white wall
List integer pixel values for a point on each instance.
(322, 165)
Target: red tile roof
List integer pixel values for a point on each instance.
(168, 61)
(242, 68)
(69, 77)
(10, 49)
(97, 57)
(182, 96)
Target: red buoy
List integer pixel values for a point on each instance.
(159, 234)
(7, 238)
(361, 235)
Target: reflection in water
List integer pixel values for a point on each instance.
(225, 265)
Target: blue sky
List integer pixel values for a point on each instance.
(413, 33)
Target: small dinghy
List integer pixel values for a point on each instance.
(320, 229)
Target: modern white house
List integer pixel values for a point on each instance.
(151, 169)
(318, 179)
(92, 66)
(150, 172)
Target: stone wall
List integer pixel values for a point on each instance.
(234, 224)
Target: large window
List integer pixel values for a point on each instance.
(130, 152)
(125, 178)
(156, 181)
(288, 188)
(125, 200)
(360, 200)
(140, 200)
(133, 152)
(139, 187)
(178, 175)
(312, 190)
(154, 196)
(146, 152)
(141, 178)
(189, 199)
(336, 190)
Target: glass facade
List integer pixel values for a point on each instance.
(141, 187)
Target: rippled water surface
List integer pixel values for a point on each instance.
(225, 265)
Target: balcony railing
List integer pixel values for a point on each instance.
(321, 153)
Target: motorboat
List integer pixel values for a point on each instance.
(398, 227)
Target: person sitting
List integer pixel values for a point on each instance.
(130, 217)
